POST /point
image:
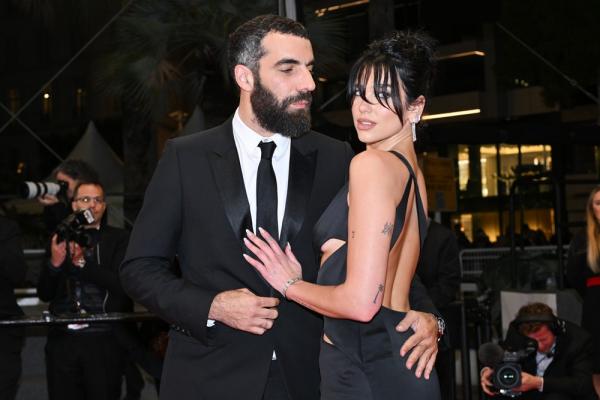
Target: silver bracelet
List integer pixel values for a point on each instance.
(289, 283)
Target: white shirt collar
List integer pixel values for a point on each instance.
(249, 139)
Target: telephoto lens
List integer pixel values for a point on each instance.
(31, 190)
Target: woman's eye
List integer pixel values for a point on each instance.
(383, 95)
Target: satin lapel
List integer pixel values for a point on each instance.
(230, 185)
(301, 176)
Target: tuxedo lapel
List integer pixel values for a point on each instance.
(230, 184)
(300, 182)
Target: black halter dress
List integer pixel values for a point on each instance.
(364, 362)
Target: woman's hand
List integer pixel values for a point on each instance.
(280, 269)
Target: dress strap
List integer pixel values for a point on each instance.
(421, 217)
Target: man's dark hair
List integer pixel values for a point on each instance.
(245, 43)
(78, 170)
(540, 311)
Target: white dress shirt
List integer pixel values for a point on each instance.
(246, 143)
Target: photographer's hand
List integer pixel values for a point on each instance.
(48, 199)
(529, 382)
(77, 255)
(486, 382)
(58, 252)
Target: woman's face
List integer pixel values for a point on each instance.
(596, 206)
(374, 123)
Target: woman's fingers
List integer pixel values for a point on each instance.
(273, 244)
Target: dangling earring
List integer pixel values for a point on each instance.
(414, 129)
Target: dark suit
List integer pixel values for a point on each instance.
(569, 375)
(439, 271)
(196, 207)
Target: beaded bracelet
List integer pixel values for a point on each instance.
(289, 283)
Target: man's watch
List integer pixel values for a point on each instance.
(441, 324)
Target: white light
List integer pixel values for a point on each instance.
(452, 114)
(46, 95)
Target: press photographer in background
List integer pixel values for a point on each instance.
(84, 361)
(57, 199)
(560, 368)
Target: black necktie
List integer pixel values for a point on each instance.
(266, 191)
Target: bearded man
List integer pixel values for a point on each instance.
(232, 336)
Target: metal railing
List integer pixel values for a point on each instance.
(474, 261)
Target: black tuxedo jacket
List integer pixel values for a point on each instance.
(196, 208)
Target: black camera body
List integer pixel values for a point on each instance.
(506, 364)
(507, 373)
(73, 229)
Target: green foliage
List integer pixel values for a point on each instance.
(165, 50)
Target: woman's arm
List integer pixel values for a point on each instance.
(373, 196)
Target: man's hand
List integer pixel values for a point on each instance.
(529, 382)
(243, 310)
(58, 252)
(48, 199)
(486, 381)
(423, 342)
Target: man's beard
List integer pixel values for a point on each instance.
(274, 116)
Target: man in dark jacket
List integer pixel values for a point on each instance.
(83, 361)
(12, 273)
(560, 369)
(439, 271)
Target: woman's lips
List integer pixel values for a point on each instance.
(364, 124)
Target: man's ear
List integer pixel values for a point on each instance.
(244, 77)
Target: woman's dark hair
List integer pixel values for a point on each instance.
(401, 60)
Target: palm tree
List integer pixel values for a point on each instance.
(169, 55)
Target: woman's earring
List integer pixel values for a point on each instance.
(414, 128)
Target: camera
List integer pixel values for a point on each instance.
(73, 229)
(506, 364)
(31, 190)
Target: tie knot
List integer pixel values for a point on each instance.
(267, 149)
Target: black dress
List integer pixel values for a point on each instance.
(587, 284)
(365, 361)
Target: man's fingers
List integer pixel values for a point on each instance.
(409, 344)
(422, 363)
(267, 302)
(407, 321)
(414, 356)
(430, 365)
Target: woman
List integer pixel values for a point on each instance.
(371, 234)
(583, 273)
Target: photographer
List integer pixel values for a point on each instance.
(68, 174)
(83, 361)
(560, 369)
